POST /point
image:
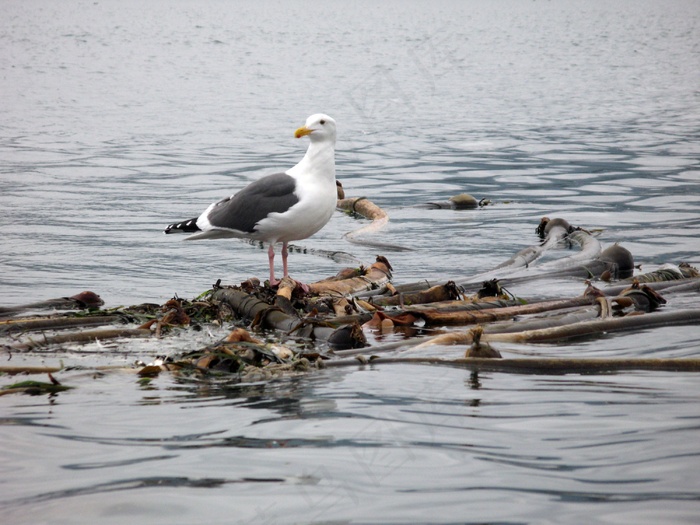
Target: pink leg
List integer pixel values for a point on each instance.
(271, 258)
(284, 259)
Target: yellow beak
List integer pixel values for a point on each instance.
(302, 131)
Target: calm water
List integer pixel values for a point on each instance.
(117, 118)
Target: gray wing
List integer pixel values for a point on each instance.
(273, 193)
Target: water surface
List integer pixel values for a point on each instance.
(118, 118)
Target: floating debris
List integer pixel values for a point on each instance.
(35, 388)
(83, 300)
(293, 328)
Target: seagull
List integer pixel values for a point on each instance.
(280, 207)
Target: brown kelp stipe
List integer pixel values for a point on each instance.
(534, 365)
(83, 300)
(358, 317)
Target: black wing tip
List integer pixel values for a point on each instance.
(189, 226)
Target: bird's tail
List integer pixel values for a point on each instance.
(189, 226)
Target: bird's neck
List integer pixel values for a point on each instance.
(318, 161)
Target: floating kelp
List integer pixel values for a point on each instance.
(379, 218)
(438, 293)
(87, 336)
(293, 328)
(463, 201)
(533, 365)
(83, 300)
(668, 272)
(479, 349)
(20, 325)
(35, 388)
(575, 329)
(614, 262)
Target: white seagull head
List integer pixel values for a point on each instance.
(318, 127)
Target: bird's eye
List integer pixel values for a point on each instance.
(323, 122)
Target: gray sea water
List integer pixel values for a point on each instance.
(117, 118)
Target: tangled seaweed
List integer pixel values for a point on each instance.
(294, 328)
